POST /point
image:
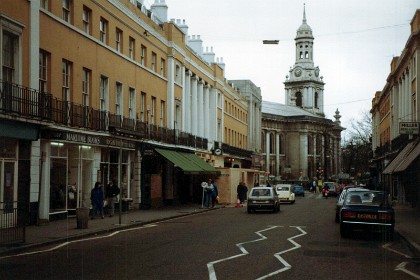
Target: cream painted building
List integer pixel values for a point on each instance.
(111, 89)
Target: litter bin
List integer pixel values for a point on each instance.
(82, 217)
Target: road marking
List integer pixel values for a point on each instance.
(402, 268)
(388, 245)
(287, 266)
(210, 265)
(76, 241)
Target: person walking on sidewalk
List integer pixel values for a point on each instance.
(97, 199)
(214, 194)
(111, 193)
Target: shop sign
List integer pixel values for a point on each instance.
(409, 128)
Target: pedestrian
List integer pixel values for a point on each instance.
(240, 191)
(244, 192)
(207, 189)
(214, 194)
(313, 187)
(268, 184)
(111, 193)
(97, 199)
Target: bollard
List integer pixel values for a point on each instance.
(82, 217)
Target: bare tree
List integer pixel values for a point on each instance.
(357, 148)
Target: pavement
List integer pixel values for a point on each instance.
(407, 225)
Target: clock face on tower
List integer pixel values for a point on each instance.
(298, 72)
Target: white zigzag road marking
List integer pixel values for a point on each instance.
(401, 267)
(210, 265)
(77, 241)
(287, 266)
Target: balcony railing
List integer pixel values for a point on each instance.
(34, 105)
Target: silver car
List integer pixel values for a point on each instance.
(263, 198)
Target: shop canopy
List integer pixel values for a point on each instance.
(189, 163)
(404, 158)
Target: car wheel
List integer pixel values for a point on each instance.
(337, 219)
(292, 202)
(249, 210)
(344, 230)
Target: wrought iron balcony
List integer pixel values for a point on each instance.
(30, 105)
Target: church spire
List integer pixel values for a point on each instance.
(304, 14)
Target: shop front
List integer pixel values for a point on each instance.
(71, 165)
(172, 176)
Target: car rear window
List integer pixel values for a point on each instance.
(261, 192)
(282, 188)
(366, 198)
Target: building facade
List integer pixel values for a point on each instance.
(298, 142)
(100, 90)
(395, 124)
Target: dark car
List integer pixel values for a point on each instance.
(263, 198)
(368, 211)
(341, 199)
(298, 190)
(332, 188)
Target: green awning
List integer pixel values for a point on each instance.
(19, 130)
(189, 163)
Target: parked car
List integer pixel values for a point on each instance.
(367, 210)
(263, 198)
(332, 188)
(285, 193)
(341, 199)
(298, 190)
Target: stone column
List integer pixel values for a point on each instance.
(277, 154)
(207, 121)
(200, 108)
(194, 105)
(267, 150)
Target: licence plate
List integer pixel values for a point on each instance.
(366, 216)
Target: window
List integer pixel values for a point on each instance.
(118, 99)
(132, 104)
(143, 55)
(316, 100)
(143, 107)
(103, 29)
(306, 55)
(162, 67)
(131, 48)
(65, 86)
(177, 74)
(153, 111)
(66, 10)
(44, 4)
(162, 113)
(10, 57)
(103, 94)
(43, 71)
(86, 74)
(118, 40)
(298, 99)
(86, 19)
(153, 66)
(301, 55)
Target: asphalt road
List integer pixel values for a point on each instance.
(302, 241)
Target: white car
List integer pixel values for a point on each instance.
(285, 193)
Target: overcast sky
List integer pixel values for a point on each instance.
(353, 47)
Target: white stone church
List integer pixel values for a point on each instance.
(297, 141)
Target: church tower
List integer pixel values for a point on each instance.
(304, 86)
